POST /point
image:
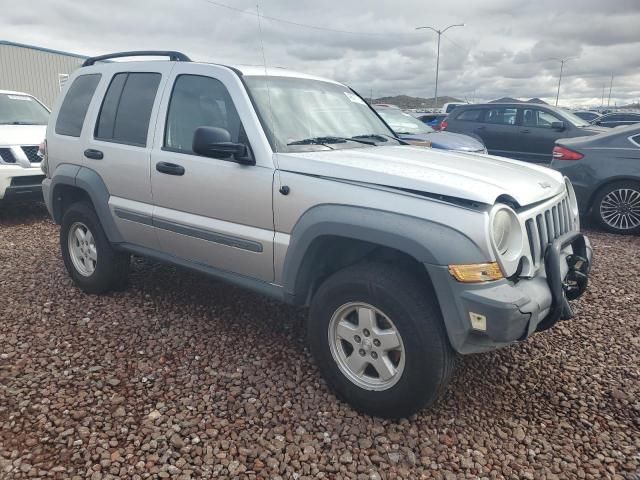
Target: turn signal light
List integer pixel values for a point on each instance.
(476, 273)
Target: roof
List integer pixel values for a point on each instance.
(42, 49)
(260, 70)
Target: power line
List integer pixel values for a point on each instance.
(289, 22)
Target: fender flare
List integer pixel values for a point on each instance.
(424, 240)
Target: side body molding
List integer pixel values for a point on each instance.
(426, 241)
(90, 182)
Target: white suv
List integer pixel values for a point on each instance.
(23, 122)
(292, 186)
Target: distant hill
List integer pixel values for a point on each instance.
(517, 100)
(407, 102)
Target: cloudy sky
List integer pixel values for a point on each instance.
(506, 48)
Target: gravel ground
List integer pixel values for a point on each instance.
(183, 377)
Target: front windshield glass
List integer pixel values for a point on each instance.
(576, 120)
(18, 109)
(403, 123)
(309, 115)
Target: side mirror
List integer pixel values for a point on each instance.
(216, 142)
(557, 125)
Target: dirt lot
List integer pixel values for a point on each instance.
(183, 377)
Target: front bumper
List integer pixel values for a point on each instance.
(483, 317)
(18, 183)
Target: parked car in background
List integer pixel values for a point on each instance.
(524, 131)
(412, 130)
(587, 115)
(617, 119)
(23, 123)
(432, 119)
(449, 107)
(605, 172)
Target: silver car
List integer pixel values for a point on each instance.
(290, 185)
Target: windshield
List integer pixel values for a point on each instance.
(576, 120)
(16, 109)
(310, 115)
(403, 123)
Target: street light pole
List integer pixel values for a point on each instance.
(562, 62)
(439, 32)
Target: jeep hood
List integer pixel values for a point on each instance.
(12, 135)
(479, 178)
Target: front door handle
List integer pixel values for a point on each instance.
(170, 168)
(525, 131)
(481, 128)
(93, 154)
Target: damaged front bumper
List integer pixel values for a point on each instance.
(483, 317)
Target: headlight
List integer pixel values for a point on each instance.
(506, 238)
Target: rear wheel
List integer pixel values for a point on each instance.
(90, 259)
(616, 208)
(377, 336)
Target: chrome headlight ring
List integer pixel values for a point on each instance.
(507, 238)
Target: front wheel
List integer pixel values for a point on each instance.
(617, 207)
(378, 338)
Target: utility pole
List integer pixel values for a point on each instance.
(602, 103)
(439, 32)
(610, 86)
(562, 62)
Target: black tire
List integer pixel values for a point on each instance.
(602, 194)
(412, 306)
(111, 268)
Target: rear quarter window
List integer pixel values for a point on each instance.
(473, 115)
(75, 105)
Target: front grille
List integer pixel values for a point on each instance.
(545, 225)
(6, 155)
(32, 153)
(27, 181)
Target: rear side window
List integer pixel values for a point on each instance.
(126, 108)
(472, 115)
(504, 116)
(75, 105)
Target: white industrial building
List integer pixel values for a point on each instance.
(38, 71)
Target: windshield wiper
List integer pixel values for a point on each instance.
(380, 136)
(330, 140)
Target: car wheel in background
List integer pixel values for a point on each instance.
(616, 207)
(90, 259)
(378, 338)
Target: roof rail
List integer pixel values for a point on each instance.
(173, 56)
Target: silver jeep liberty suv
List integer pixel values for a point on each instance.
(292, 186)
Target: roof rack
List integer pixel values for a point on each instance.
(173, 56)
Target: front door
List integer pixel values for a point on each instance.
(209, 211)
(538, 134)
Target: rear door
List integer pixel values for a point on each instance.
(537, 135)
(118, 146)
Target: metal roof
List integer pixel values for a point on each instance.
(41, 49)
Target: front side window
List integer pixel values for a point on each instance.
(16, 109)
(198, 101)
(126, 109)
(75, 105)
(501, 115)
(532, 117)
(302, 114)
(403, 123)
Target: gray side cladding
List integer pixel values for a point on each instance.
(427, 242)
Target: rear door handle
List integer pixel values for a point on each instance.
(481, 128)
(170, 168)
(93, 154)
(525, 131)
